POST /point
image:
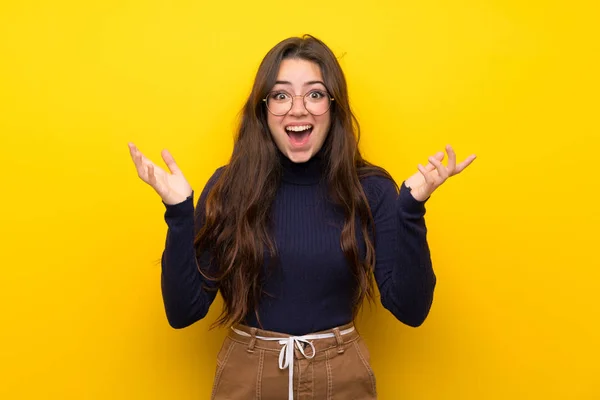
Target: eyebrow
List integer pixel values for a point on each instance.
(305, 83)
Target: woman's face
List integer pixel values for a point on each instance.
(299, 135)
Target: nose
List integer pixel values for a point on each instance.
(298, 108)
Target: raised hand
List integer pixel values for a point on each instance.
(424, 182)
(172, 187)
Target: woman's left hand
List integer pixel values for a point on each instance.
(431, 176)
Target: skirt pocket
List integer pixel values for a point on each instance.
(350, 376)
(222, 358)
(365, 357)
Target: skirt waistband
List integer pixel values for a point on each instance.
(256, 338)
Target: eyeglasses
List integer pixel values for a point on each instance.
(316, 102)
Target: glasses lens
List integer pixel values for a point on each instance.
(279, 103)
(317, 102)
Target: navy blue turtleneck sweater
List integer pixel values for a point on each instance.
(312, 287)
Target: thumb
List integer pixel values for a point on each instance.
(170, 161)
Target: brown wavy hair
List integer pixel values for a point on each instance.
(236, 229)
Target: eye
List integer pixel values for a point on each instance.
(317, 95)
(279, 96)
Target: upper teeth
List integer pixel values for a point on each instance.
(298, 128)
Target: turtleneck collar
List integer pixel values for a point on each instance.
(310, 172)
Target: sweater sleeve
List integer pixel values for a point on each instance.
(187, 295)
(403, 270)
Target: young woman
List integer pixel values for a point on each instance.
(293, 232)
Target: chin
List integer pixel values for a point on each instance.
(299, 156)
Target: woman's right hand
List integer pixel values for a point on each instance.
(172, 187)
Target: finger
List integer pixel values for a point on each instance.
(132, 148)
(451, 160)
(465, 163)
(425, 173)
(133, 151)
(429, 167)
(136, 155)
(138, 160)
(151, 176)
(170, 161)
(442, 171)
(142, 164)
(440, 156)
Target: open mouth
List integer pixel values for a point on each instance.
(299, 134)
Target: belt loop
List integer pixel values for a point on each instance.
(339, 340)
(250, 348)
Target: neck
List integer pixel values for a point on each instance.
(307, 173)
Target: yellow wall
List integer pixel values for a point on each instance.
(514, 240)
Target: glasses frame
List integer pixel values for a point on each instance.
(331, 100)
